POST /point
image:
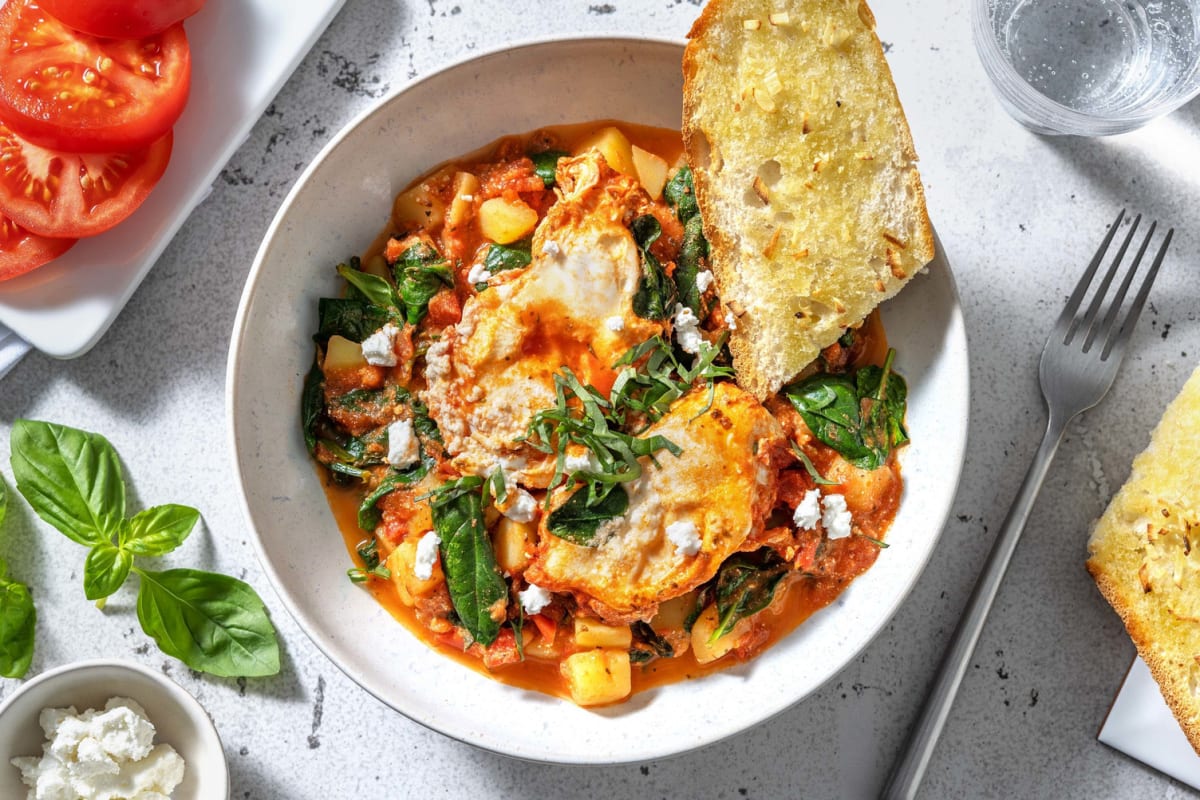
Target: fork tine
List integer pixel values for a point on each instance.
(1117, 341)
(1085, 325)
(1068, 313)
(1102, 330)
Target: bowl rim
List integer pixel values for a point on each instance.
(955, 322)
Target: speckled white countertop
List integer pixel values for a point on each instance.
(1019, 215)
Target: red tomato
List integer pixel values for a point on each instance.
(71, 91)
(122, 19)
(22, 251)
(72, 195)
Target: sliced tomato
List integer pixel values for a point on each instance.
(73, 195)
(122, 19)
(22, 251)
(70, 91)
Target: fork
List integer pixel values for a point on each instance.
(1078, 366)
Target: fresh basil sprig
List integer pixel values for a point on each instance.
(655, 295)
(211, 622)
(862, 419)
(477, 590)
(17, 616)
(648, 388)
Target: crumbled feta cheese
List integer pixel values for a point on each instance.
(478, 274)
(835, 516)
(808, 512)
(685, 537)
(427, 555)
(687, 329)
(402, 444)
(704, 279)
(534, 599)
(581, 462)
(551, 248)
(521, 506)
(730, 321)
(615, 323)
(379, 348)
(100, 755)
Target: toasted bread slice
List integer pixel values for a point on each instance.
(804, 172)
(1145, 556)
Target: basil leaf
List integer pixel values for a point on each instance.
(71, 478)
(211, 622)
(499, 258)
(680, 193)
(420, 273)
(158, 530)
(18, 621)
(578, 522)
(374, 289)
(546, 164)
(312, 404)
(692, 253)
(744, 588)
(106, 568)
(655, 296)
(350, 318)
(477, 589)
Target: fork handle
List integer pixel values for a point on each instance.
(910, 767)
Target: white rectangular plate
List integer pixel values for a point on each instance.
(242, 52)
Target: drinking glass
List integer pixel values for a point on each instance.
(1089, 67)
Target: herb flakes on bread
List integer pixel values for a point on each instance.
(1145, 556)
(805, 175)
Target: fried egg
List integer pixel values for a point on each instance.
(490, 373)
(719, 490)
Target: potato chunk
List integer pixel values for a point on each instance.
(651, 171)
(594, 633)
(615, 148)
(465, 187)
(596, 677)
(505, 221)
(512, 542)
(702, 631)
(342, 354)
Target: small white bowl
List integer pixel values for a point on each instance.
(179, 720)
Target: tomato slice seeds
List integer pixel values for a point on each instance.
(22, 251)
(67, 90)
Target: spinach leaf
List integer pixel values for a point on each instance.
(744, 587)
(423, 424)
(692, 253)
(862, 419)
(655, 296)
(369, 515)
(680, 192)
(477, 590)
(502, 257)
(352, 319)
(159, 530)
(546, 163)
(648, 645)
(374, 289)
(312, 404)
(106, 568)
(18, 621)
(71, 478)
(420, 273)
(211, 622)
(3, 500)
(578, 520)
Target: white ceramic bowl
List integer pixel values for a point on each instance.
(179, 720)
(338, 206)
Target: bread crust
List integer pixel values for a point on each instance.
(795, 309)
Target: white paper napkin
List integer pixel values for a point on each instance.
(1141, 725)
(12, 349)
